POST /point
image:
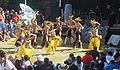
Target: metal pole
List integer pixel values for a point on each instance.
(25, 2)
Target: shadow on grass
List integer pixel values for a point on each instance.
(64, 50)
(44, 54)
(6, 48)
(10, 52)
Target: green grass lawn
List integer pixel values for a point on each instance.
(62, 52)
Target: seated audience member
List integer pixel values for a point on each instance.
(71, 59)
(87, 58)
(40, 60)
(73, 67)
(79, 63)
(101, 66)
(18, 64)
(6, 64)
(117, 54)
(110, 48)
(26, 62)
(112, 66)
(63, 67)
(109, 57)
(94, 53)
(93, 65)
(47, 65)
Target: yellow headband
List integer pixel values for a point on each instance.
(58, 18)
(78, 19)
(94, 22)
(71, 16)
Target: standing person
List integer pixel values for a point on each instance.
(40, 18)
(59, 26)
(70, 31)
(4, 63)
(77, 34)
(15, 18)
(45, 35)
(94, 37)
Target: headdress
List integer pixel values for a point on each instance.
(78, 19)
(94, 22)
(71, 16)
(58, 18)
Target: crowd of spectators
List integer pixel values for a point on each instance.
(92, 60)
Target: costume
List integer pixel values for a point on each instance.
(95, 38)
(77, 34)
(54, 42)
(25, 51)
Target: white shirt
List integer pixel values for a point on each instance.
(109, 58)
(9, 65)
(79, 66)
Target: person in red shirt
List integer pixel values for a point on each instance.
(87, 58)
(15, 18)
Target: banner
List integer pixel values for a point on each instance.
(114, 39)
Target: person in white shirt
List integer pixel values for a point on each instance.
(79, 63)
(109, 57)
(4, 63)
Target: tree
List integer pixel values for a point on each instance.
(3, 3)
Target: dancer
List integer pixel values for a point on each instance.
(77, 33)
(94, 37)
(70, 31)
(51, 46)
(45, 35)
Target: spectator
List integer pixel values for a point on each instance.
(5, 64)
(73, 67)
(71, 59)
(26, 62)
(87, 58)
(109, 57)
(15, 18)
(18, 65)
(93, 66)
(102, 57)
(117, 55)
(40, 60)
(111, 48)
(63, 67)
(94, 53)
(79, 63)
(101, 66)
(112, 66)
(11, 58)
(46, 65)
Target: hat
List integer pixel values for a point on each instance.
(63, 67)
(40, 58)
(78, 19)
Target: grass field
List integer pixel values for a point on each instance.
(62, 52)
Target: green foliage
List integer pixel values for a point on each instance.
(3, 3)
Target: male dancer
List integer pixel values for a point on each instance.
(70, 31)
(77, 34)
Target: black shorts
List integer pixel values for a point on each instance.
(69, 33)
